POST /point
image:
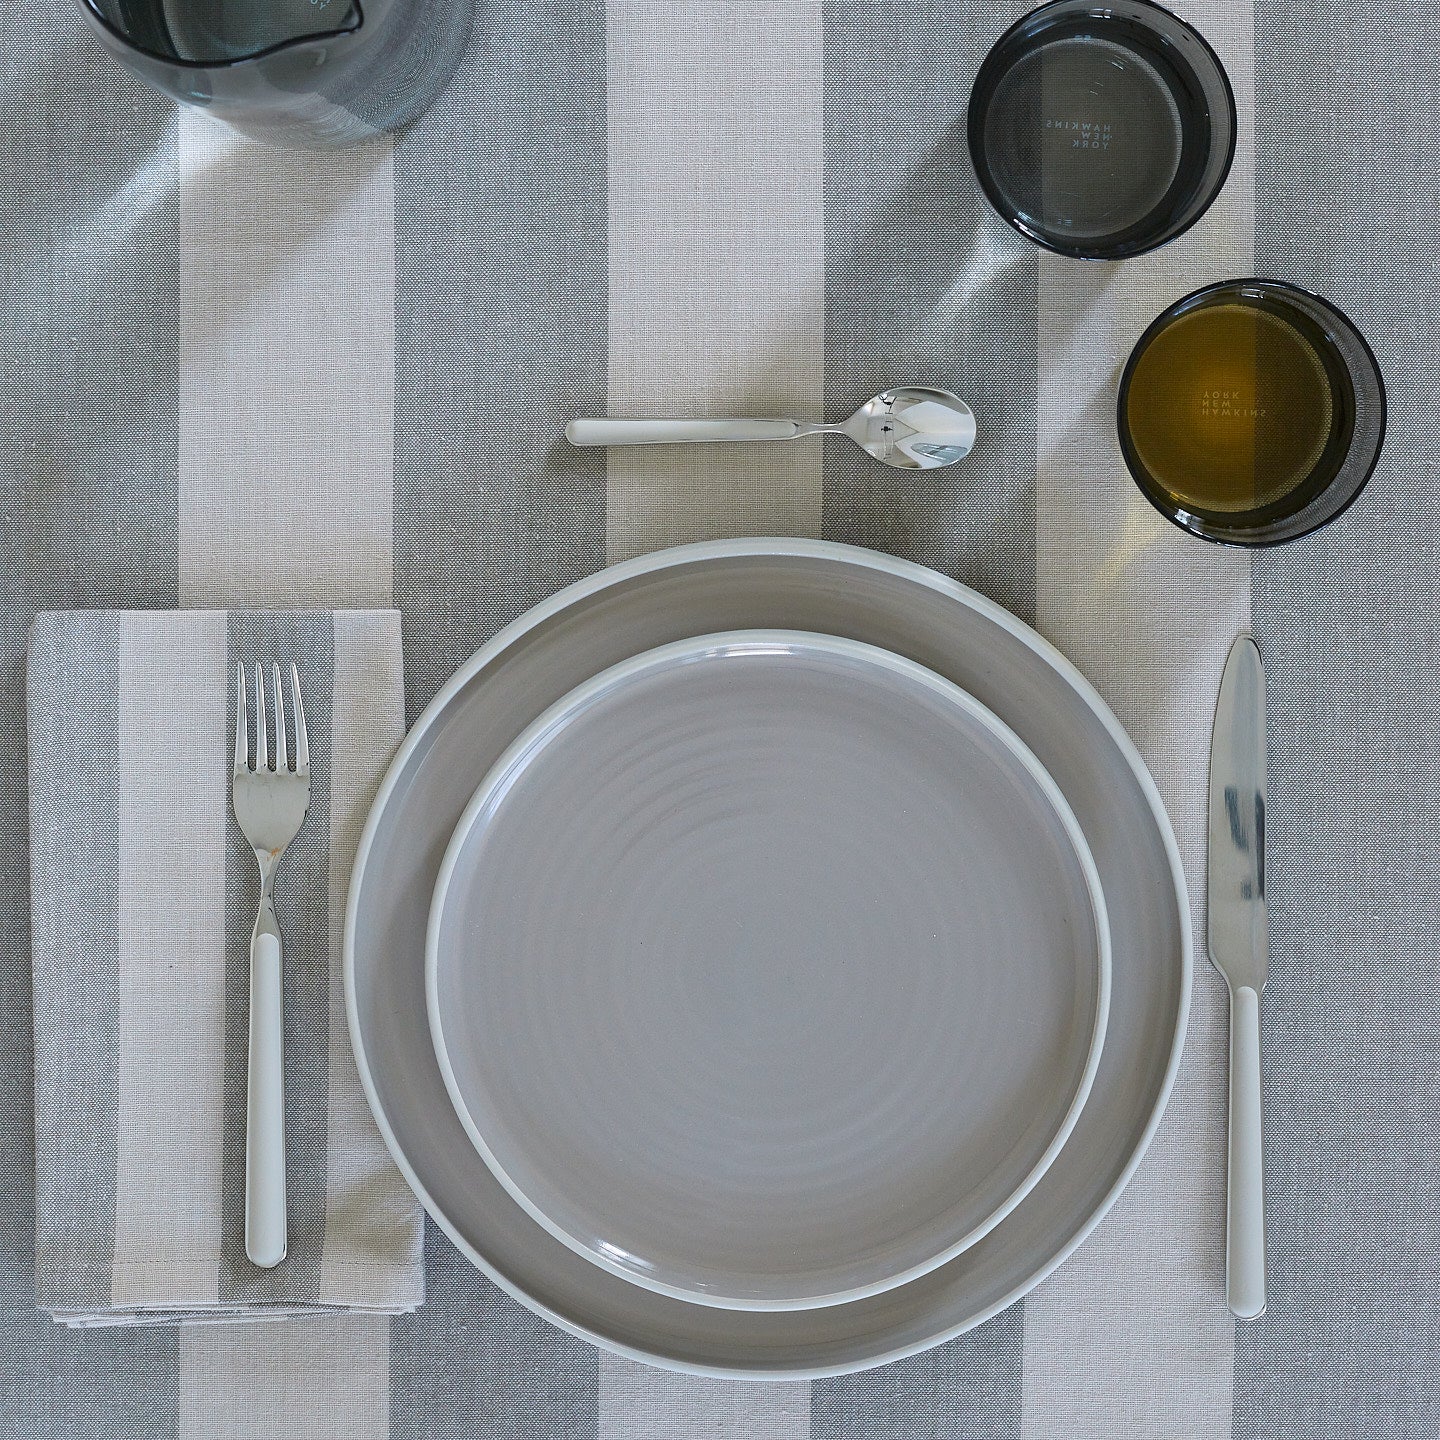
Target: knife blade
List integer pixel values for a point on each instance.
(1238, 927)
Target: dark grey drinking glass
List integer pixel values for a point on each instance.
(1101, 130)
(308, 73)
(1251, 412)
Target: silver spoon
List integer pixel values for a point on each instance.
(910, 428)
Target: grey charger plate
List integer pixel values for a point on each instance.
(805, 585)
(768, 970)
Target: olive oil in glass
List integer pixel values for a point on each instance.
(1240, 409)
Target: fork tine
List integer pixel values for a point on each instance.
(242, 738)
(302, 743)
(262, 741)
(282, 759)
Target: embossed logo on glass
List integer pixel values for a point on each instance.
(1084, 134)
(1229, 405)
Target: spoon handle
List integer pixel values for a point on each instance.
(675, 432)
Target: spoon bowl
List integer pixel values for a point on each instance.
(912, 428)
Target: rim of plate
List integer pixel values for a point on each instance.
(505, 770)
(779, 547)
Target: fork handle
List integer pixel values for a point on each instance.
(265, 1225)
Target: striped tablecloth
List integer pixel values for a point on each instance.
(355, 366)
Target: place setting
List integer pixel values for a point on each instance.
(764, 957)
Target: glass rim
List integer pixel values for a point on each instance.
(92, 8)
(1171, 313)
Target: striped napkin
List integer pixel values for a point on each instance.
(143, 894)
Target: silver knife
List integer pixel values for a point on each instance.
(1240, 948)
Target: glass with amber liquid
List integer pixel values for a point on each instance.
(1251, 412)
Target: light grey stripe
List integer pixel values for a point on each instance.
(302, 906)
(87, 486)
(1348, 621)
(173, 816)
(925, 286)
(642, 1402)
(75, 862)
(373, 1228)
(717, 262)
(1148, 614)
(501, 324)
(319, 1378)
(287, 371)
(969, 1388)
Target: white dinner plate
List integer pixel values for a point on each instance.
(768, 970)
(751, 584)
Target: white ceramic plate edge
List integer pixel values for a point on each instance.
(576, 699)
(781, 547)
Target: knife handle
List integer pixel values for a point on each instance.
(1245, 1217)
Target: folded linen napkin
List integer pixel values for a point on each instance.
(143, 894)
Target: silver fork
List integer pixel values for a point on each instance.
(270, 804)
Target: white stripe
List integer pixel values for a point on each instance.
(640, 1402)
(372, 1223)
(287, 372)
(717, 264)
(287, 397)
(1132, 1337)
(304, 1379)
(173, 810)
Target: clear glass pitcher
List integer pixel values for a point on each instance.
(308, 73)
